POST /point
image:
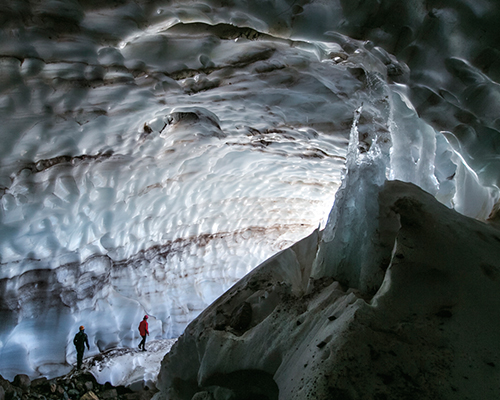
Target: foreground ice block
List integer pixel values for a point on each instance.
(430, 331)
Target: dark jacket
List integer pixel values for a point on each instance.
(80, 341)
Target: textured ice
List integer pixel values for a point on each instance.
(130, 367)
(153, 154)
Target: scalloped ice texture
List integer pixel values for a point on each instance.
(147, 165)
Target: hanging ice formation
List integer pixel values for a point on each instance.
(353, 249)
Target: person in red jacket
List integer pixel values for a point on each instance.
(143, 330)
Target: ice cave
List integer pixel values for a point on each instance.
(303, 195)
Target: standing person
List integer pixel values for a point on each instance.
(143, 330)
(80, 341)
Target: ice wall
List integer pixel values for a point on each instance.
(152, 154)
(148, 174)
(357, 245)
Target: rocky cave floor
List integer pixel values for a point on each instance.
(77, 385)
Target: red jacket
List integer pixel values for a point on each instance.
(143, 328)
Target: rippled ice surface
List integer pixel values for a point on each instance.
(147, 164)
(131, 188)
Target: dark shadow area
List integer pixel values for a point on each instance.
(247, 385)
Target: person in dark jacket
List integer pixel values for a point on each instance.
(80, 341)
(143, 330)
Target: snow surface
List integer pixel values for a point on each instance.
(133, 368)
(153, 153)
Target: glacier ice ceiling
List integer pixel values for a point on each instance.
(154, 152)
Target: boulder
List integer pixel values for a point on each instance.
(39, 382)
(109, 394)
(22, 380)
(90, 395)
